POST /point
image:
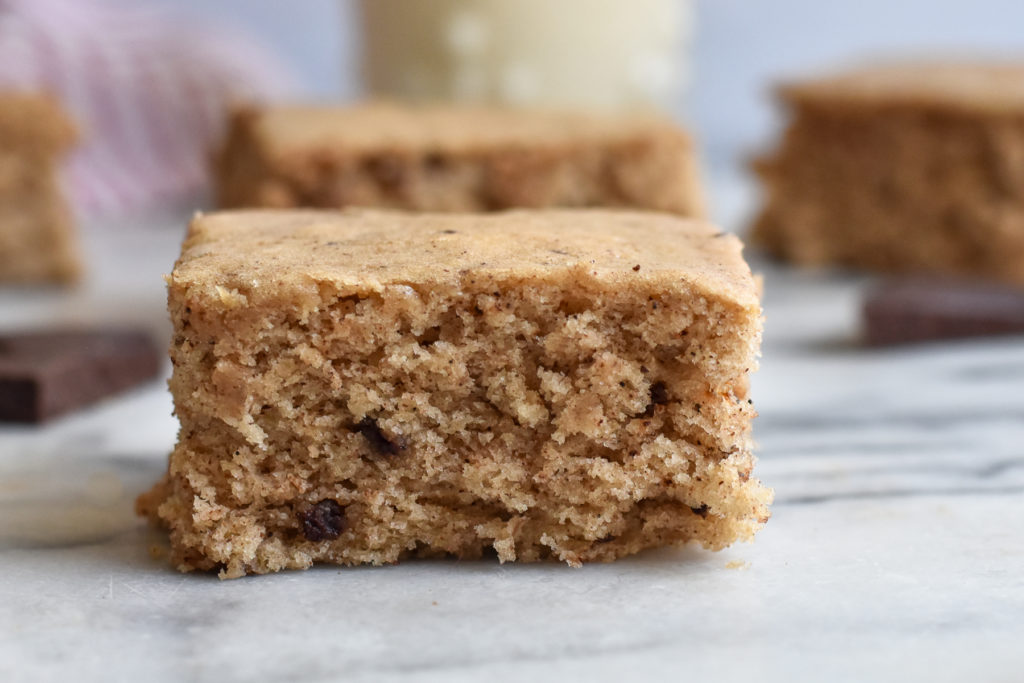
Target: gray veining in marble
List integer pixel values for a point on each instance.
(896, 549)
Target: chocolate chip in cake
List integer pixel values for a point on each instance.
(371, 431)
(701, 511)
(659, 393)
(324, 521)
(659, 397)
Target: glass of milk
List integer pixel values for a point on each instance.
(613, 55)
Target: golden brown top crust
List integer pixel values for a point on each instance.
(34, 121)
(268, 256)
(972, 87)
(442, 128)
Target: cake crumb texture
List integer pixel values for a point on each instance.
(365, 386)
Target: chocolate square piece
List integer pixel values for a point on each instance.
(910, 310)
(46, 374)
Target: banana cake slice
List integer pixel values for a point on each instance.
(38, 244)
(366, 386)
(912, 167)
(455, 158)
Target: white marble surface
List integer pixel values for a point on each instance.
(895, 551)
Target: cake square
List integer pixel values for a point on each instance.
(914, 167)
(454, 158)
(36, 237)
(366, 386)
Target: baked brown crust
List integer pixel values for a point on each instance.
(978, 88)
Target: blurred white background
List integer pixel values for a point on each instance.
(741, 47)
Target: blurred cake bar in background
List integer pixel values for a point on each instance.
(37, 242)
(598, 54)
(365, 386)
(902, 167)
(455, 158)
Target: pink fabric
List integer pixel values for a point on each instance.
(147, 90)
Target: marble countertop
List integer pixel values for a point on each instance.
(895, 551)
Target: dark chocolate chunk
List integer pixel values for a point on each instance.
(909, 310)
(324, 521)
(701, 511)
(659, 393)
(378, 441)
(46, 374)
(659, 397)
